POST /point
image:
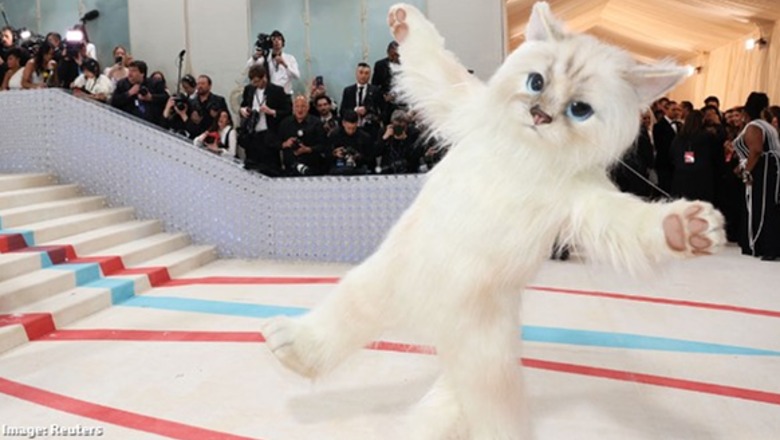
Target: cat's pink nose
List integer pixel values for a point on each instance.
(540, 117)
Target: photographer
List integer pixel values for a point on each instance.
(351, 148)
(140, 96)
(176, 118)
(303, 141)
(398, 146)
(118, 71)
(8, 42)
(92, 84)
(263, 105)
(220, 138)
(282, 67)
(203, 102)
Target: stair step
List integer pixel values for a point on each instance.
(71, 305)
(139, 251)
(184, 260)
(16, 217)
(18, 263)
(110, 236)
(10, 182)
(32, 287)
(49, 230)
(11, 336)
(29, 196)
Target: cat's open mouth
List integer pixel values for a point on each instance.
(540, 117)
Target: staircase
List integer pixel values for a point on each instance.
(64, 256)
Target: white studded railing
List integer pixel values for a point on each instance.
(246, 215)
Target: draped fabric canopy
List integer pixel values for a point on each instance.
(707, 34)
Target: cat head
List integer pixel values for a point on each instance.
(574, 96)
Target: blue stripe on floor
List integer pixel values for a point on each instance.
(635, 342)
(85, 273)
(212, 307)
(121, 289)
(550, 335)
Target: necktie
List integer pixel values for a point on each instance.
(360, 96)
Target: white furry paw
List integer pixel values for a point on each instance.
(694, 228)
(287, 340)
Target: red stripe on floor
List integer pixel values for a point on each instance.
(202, 336)
(58, 254)
(147, 335)
(667, 382)
(108, 265)
(107, 414)
(12, 242)
(251, 280)
(665, 301)
(36, 325)
(158, 276)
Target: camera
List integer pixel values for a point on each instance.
(74, 42)
(143, 91)
(180, 101)
(318, 81)
(263, 43)
(118, 60)
(210, 138)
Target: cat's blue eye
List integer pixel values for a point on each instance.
(579, 111)
(535, 83)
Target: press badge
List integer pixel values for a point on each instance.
(690, 157)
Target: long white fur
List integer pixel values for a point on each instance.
(454, 265)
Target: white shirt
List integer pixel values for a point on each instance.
(97, 85)
(227, 137)
(258, 102)
(283, 76)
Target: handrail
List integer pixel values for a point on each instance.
(246, 215)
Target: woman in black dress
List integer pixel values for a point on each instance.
(758, 147)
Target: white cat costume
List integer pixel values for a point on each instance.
(528, 163)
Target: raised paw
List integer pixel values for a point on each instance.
(288, 342)
(694, 228)
(405, 20)
(396, 19)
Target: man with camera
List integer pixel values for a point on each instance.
(6, 44)
(140, 96)
(364, 99)
(203, 105)
(303, 141)
(351, 148)
(263, 106)
(398, 146)
(282, 67)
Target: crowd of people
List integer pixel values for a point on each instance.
(730, 159)
(279, 133)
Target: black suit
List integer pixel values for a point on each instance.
(383, 75)
(262, 148)
(150, 111)
(372, 101)
(663, 135)
(383, 78)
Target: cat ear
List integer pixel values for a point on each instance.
(653, 81)
(543, 26)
